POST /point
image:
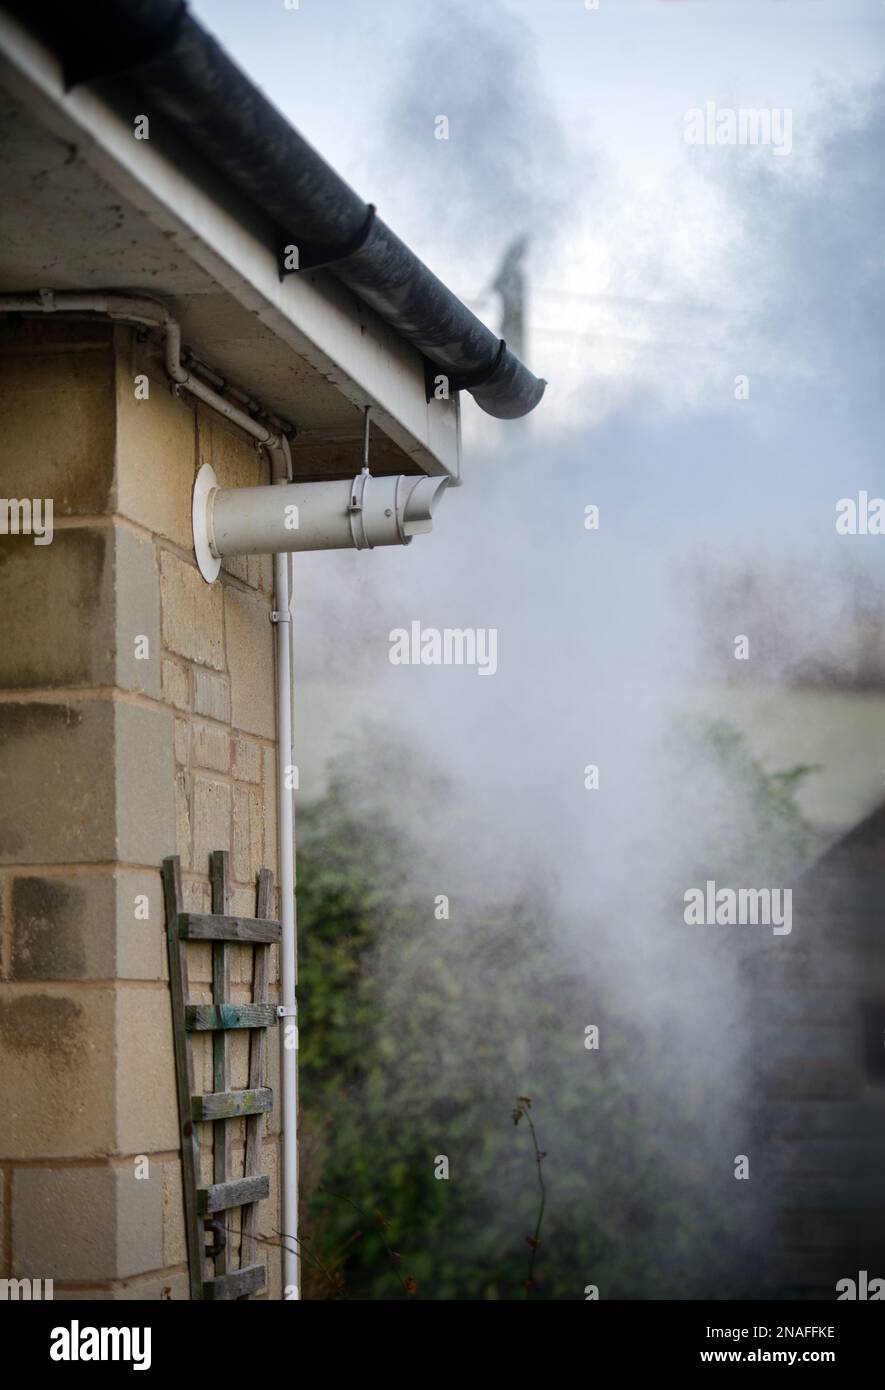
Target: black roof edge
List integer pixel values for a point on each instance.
(183, 74)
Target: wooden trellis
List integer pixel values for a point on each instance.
(208, 1210)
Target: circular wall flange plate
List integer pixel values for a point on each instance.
(205, 483)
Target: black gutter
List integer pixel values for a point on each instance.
(180, 72)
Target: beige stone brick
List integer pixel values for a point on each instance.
(248, 840)
(240, 956)
(174, 1239)
(250, 662)
(64, 928)
(86, 1223)
(238, 1140)
(192, 613)
(144, 1084)
(145, 797)
(137, 624)
(261, 573)
(196, 894)
(182, 742)
(176, 685)
(58, 606)
(75, 608)
(246, 759)
(183, 842)
(84, 927)
(236, 565)
(269, 798)
(139, 1243)
(202, 1046)
(56, 1097)
(60, 755)
(141, 951)
(57, 414)
(156, 451)
(212, 696)
(205, 1154)
(211, 747)
(234, 455)
(242, 904)
(239, 1058)
(198, 898)
(64, 1223)
(211, 823)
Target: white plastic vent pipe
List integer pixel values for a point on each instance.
(359, 515)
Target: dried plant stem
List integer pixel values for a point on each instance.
(521, 1111)
(530, 1282)
(408, 1283)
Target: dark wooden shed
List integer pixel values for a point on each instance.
(818, 1012)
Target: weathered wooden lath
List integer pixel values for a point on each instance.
(208, 1210)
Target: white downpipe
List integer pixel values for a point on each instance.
(281, 462)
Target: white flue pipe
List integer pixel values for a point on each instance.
(357, 514)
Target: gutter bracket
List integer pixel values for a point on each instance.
(459, 381)
(313, 257)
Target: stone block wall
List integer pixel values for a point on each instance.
(136, 721)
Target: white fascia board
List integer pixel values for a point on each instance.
(345, 340)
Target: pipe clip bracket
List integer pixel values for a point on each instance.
(287, 1010)
(310, 256)
(276, 617)
(458, 381)
(356, 508)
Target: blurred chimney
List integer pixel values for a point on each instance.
(510, 284)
